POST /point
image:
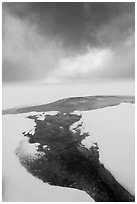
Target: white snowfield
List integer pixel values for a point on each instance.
(18, 184)
(113, 129)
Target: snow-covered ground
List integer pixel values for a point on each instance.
(113, 128)
(18, 184)
(116, 145)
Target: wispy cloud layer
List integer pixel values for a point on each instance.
(36, 48)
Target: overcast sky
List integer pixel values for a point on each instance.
(68, 42)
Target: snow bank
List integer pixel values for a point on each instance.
(113, 129)
(18, 184)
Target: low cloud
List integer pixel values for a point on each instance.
(98, 63)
